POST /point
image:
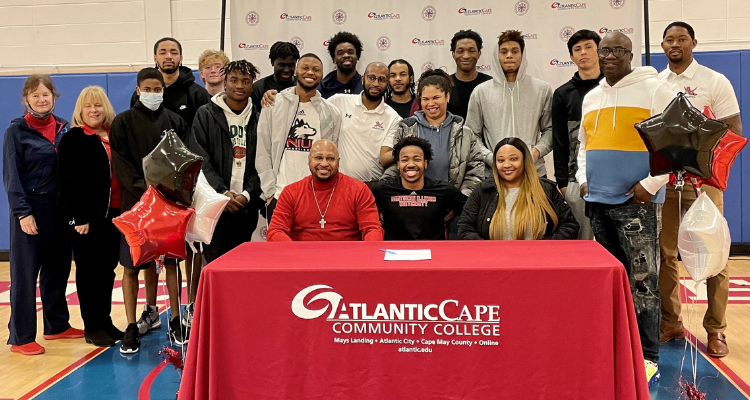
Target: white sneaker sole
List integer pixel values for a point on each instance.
(131, 351)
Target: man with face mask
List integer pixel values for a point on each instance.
(412, 206)
(134, 134)
(367, 128)
(345, 50)
(287, 131)
(182, 94)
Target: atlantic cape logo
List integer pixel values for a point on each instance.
(569, 6)
(448, 317)
(431, 42)
(559, 63)
(379, 17)
(295, 18)
(468, 12)
(253, 46)
(626, 31)
(528, 36)
(483, 68)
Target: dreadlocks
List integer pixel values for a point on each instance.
(241, 66)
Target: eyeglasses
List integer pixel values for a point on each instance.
(618, 51)
(373, 78)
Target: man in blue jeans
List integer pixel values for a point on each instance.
(623, 200)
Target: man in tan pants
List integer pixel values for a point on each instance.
(703, 87)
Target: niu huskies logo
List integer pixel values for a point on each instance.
(690, 92)
(299, 136)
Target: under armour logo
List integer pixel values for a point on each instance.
(348, 116)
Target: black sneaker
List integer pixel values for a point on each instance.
(177, 332)
(187, 315)
(132, 340)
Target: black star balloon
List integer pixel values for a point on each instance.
(681, 138)
(172, 168)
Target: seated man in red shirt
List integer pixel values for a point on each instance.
(326, 205)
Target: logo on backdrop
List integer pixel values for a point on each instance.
(325, 43)
(476, 11)
(427, 65)
(528, 36)
(566, 32)
(338, 17)
(569, 6)
(383, 43)
(429, 13)
(447, 318)
(626, 31)
(253, 46)
(295, 18)
(252, 18)
(484, 68)
(297, 42)
(558, 63)
(522, 7)
(380, 17)
(431, 42)
(617, 4)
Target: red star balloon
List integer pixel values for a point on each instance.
(154, 227)
(724, 155)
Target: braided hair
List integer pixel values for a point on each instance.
(389, 89)
(242, 66)
(435, 77)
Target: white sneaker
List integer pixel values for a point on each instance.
(149, 319)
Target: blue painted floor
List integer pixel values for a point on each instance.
(111, 375)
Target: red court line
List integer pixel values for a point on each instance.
(733, 377)
(49, 382)
(144, 392)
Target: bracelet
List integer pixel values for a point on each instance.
(23, 216)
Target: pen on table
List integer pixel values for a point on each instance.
(388, 251)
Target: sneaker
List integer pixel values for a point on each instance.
(70, 333)
(652, 372)
(177, 332)
(187, 315)
(28, 349)
(132, 340)
(149, 319)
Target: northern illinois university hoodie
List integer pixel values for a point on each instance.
(522, 109)
(612, 157)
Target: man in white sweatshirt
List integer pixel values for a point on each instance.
(287, 129)
(512, 104)
(623, 200)
(224, 134)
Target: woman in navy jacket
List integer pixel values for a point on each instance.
(91, 194)
(39, 233)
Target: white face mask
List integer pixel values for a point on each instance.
(152, 101)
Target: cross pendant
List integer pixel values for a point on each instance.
(322, 223)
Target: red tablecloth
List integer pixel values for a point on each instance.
(555, 321)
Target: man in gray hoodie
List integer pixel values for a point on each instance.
(512, 104)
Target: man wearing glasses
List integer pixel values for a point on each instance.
(368, 126)
(623, 200)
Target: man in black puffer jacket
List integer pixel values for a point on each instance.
(181, 95)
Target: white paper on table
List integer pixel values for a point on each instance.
(407, 255)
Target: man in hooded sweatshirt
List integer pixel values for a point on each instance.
(623, 200)
(224, 134)
(512, 104)
(287, 130)
(566, 119)
(345, 49)
(182, 95)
